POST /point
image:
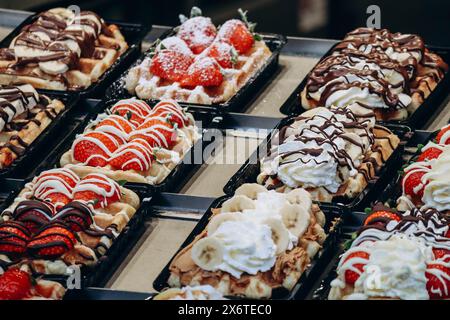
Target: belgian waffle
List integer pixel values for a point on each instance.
(329, 152)
(24, 115)
(396, 256)
(140, 80)
(291, 219)
(391, 73)
(149, 152)
(61, 50)
(59, 220)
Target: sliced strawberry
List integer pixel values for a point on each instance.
(430, 153)
(53, 240)
(236, 33)
(98, 190)
(381, 217)
(172, 111)
(413, 185)
(443, 136)
(135, 155)
(115, 125)
(14, 284)
(158, 132)
(205, 71)
(61, 174)
(33, 214)
(77, 215)
(132, 109)
(441, 254)
(223, 53)
(14, 237)
(170, 65)
(447, 234)
(350, 275)
(94, 148)
(198, 33)
(438, 281)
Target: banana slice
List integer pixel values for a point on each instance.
(220, 218)
(300, 196)
(280, 235)
(250, 190)
(207, 253)
(238, 204)
(295, 218)
(53, 67)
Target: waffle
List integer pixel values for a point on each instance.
(145, 84)
(24, 115)
(291, 219)
(190, 293)
(155, 159)
(90, 212)
(396, 256)
(61, 51)
(391, 73)
(330, 152)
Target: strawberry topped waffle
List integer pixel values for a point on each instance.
(200, 64)
(397, 256)
(59, 220)
(134, 142)
(426, 182)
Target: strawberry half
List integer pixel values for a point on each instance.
(158, 132)
(381, 217)
(77, 216)
(170, 65)
(135, 155)
(438, 281)
(223, 53)
(441, 254)
(53, 240)
(14, 284)
(443, 136)
(205, 71)
(236, 33)
(413, 185)
(33, 214)
(132, 109)
(350, 275)
(115, 125)
(97, 189)
(198, 33)
(175, 44)
(14, 237)
(172, 111)
(430, 153)
(94, 148)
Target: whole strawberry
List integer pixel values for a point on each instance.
(14, 284)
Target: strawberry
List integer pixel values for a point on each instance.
(14, 237)
(447, 234)
(438, 285)
(158, 132)
(132, 109)
(94, 148)
(135, 155)
(236, 33)
(113, 122)
(441, 254)
(411, 181)
(430, 153)
(223, 53)
(55, 186)
(53, 240)
(205, 71)
(174, 44)
(350, 275)
(63, 174)
(14, 284)
(198, 33)
(443, 137)
(170, 65)
(381, 217)
(97, 189)
(33, 214)
(172, 111)
(76, 215)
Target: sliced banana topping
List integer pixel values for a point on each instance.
(238, 204)
(250, 190)
(300, 196)
(220, 218)
(295, 218)
(53, 67)
(207, 253)
(280, 235)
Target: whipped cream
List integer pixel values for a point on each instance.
(437, 190)
(205, 292)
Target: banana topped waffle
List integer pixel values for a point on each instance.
(200, 64)
(24, 115)
(205, 292)
(391, 73)
(397, 256)
(134, 142)
(259, 240)
(330, 152)
(61, 50)
(60, 220)
(426, 181)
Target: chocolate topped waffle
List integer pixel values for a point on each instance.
(24, 114)
(331, 153)
(61, 50)
(391, 73)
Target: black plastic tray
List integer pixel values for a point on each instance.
(251, 168)
(39, 147)
(416, 120)
(177, 177)
(240, 101)
(133, 33)
(306, 280)
(101, 272)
